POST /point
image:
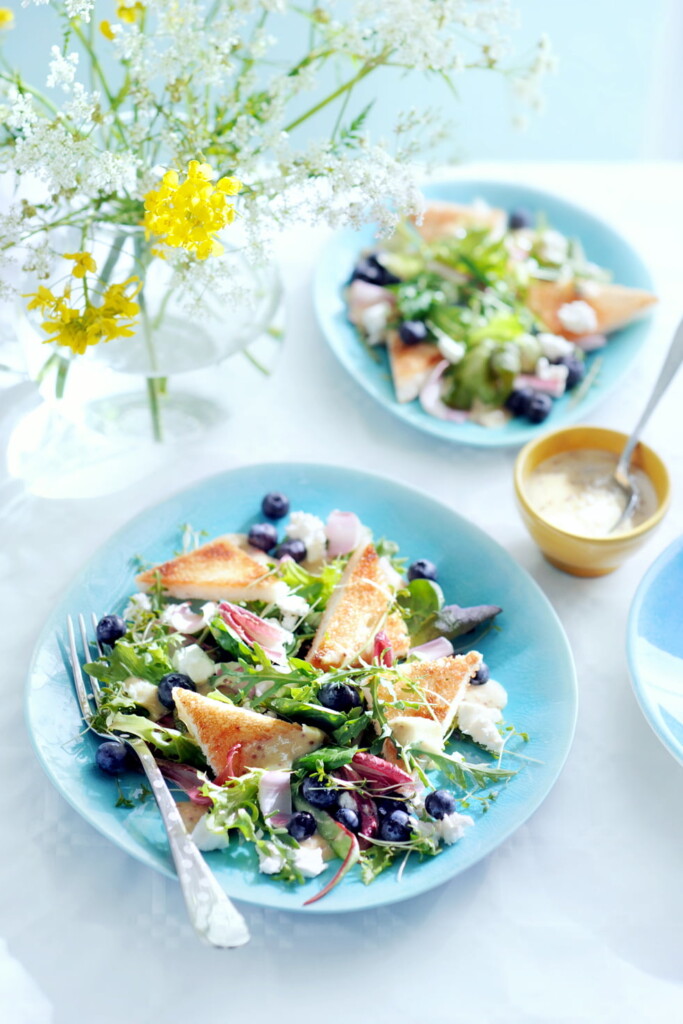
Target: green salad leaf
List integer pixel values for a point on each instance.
(420, 604)
(325, 759)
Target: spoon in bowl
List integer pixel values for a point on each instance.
(673, 360)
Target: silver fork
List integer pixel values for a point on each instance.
(213, 916)
(674, 358)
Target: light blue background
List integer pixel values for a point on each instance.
(615, 95)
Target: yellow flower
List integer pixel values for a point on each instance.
(84, 263)
(42, 299)
(130, 13)
(6, 18)
(188, 214)
(107, 31)
(78, 329)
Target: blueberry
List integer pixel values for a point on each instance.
(412, 332)
(370, 269)
(295, 549)
(440, 803)
(423, 569)
(166, 685)
(338, 696)
(481, 676)
(347, 817)
(112, 757)
(110, 628)
(577, 370)
(395, 828)
(386, 805)
(325, 798)
(520, 218)
(302, 825)
(539, 408)
(263, 536)
(275, 505)
(518, 401)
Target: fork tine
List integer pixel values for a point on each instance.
(88, 653)
(79, 685)
(98, 647)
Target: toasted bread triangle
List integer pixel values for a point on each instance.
(265, 742)
(225, 569)
(355, 612)
(441, 219)
(410, 365)
(438, 688)
(615, 305)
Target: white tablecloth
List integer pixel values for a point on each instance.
(578, 917)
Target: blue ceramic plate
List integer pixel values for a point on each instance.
(602, 245)
(529, 655)
(655, 647)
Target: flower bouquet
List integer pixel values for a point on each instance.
(169, 146)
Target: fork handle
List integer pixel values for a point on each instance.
(214, 917)
(674, 358)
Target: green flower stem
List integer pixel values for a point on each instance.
(363, 73)
(96, 67)
(62, 371)
(156, 386)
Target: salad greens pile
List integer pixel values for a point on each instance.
(470, 292)
(360, 763)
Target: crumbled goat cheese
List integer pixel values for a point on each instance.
(137, 605)
(311, 530)
(554, 372)
(307, 859)
(554, 346)
(450, 828)
(207, 840)
(374, 321)
(146, 695)
(553, 247)
(578, 317)
(451, 349)
(194, 662)
(293, 609)
(479, 712)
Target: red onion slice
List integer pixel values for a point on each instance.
(343, 531)
(430, 397)
(275, 794)
(433, 649)
(554, 388)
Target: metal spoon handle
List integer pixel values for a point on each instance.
(674, 358)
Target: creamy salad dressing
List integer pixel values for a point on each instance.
(576, 491)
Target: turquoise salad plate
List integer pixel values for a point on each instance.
(602, 244)
(528, 653)
(655, 647)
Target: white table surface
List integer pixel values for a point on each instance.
(577, 917)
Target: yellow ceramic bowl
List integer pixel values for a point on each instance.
(572, 552)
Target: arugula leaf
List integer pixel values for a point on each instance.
(464, 773)
(303, 711)
(173, 744)
(326, 759)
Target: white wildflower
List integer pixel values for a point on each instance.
(62, 69)
(79, 8)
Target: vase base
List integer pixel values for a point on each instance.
(55, 458)
(181, 417)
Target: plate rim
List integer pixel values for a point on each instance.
(430, 424)
(139, 852)
(646, 703)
